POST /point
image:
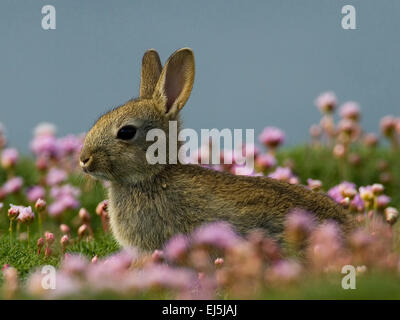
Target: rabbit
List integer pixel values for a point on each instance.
(150, 203)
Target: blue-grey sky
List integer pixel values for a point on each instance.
(258, 63)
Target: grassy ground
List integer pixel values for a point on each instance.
(306, 163)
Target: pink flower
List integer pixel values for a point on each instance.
(13, 185)
(65, 229)
(266, 161)
(282, 174)
(56, 208)
(350, 110)
(326, 102)
(26, 215)
(388, 125)
(371, 139)
(284, 271)
(49, 238)
(315, 185)
(14, 211)
(40, 205)
(69, 144)
(272, 137)
(45, 146)
(315, 131)
(84, 215)
(218, 234)
(55, 176)
(102, 207)
(299, 225)
(35, 193)
(74, 264)
(176, 247)
(9, 158)
(383, 201)
(45, 129)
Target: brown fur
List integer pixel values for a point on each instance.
(151, 203)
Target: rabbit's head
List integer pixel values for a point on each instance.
(115, 147)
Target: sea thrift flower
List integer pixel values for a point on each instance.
(69, 144)
(102, 207)
(382, 201)
(315, 131)
(366, 194)
(55, 176)
(10, 286)
(339, 151)
(371, 139)
(65, 229)
(284, 271)
(265, 161)
(350, 110)
(377, 189)
(82, 230)
(388, 125)
(272, 137)
(26, 215)
(391, 215)
(35, 193)
(45, 146)
(95, 259)
(40, 244)
(157, 256)
(326, 102)
(64, 242)
(13, 185)
(101, 210)
(282, 174)
(219, 262)
(325, 245)
(14, 211)
(42, 163)
(315, 185)
(84, 215)
(49, 238)
(9, 158)
(176, 248)
(40, 205)
(218, 234)
(45, 129)
(298, 226)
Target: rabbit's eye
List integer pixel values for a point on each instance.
(126, 133)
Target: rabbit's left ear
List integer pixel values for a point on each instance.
(151, 70)
(176, 82)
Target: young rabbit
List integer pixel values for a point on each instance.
(149, 203)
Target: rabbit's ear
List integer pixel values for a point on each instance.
(151, 70)
(176, 81)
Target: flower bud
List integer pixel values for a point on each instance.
(49, 238)
(377, 189)
(219, 262)
(40, 205)
(84, 215)
(391, 215)
(65, 229)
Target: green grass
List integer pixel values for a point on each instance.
(307, 163)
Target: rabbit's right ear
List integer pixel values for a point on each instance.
(175, 83)
(151, 70)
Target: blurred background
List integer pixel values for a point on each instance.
(258, 63)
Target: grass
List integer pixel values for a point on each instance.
(306, 162)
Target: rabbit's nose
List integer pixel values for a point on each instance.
(85, 162)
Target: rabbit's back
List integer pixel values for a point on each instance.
(183, 197)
